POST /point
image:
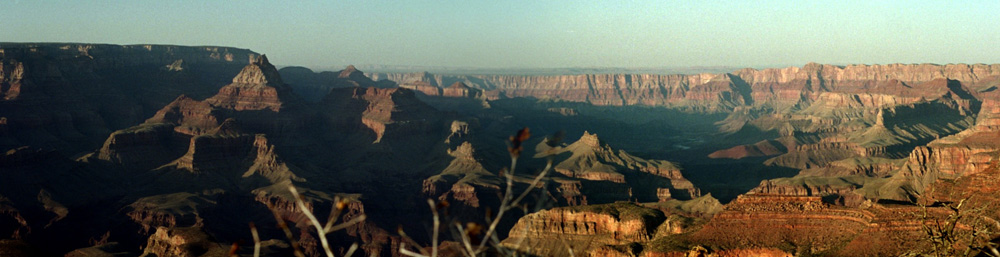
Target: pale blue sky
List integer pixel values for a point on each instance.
(533, 33)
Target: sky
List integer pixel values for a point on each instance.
(532, 33)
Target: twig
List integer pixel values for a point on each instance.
(349, 223)
(312, 218)
(510, 203)
(288, 233)
(534, 182)
(350, 251)
(408, 239)
(465, 240)
(437, 227)
(503, 203)
(404, 251)
(256, 240)
(338, 206)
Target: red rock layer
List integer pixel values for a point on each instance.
(192, 117)
(186, 242)
(584, 228)
(257, 87)
(717, 91)
(763, 221)
(963, 154)
(805, 225)
(459, 89)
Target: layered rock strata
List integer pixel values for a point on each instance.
(584, 228)
(785, 86)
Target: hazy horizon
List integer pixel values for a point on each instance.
(537, 35)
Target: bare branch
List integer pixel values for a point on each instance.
(350, 251)
(312, 218)
(408, 239)
(437, 228)
(404, 251)
(338, 206)
(288, 233)
(256, 240)
(349, 223)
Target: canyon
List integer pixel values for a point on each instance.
(159, 150)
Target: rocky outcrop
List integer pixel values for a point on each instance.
(789, 188)
(169, 210)
(459, 89)
(592, 160)
(583, 228)
(186, 242)
(378, 113)
(424, 88)
(193, 117)
(13, 222)
(11, 75)
(257, 97)
(803, 222)
(268, 165)
(257, 87)
(381, 110)
(463, 180)
(966, 153)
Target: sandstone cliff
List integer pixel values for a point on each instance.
(963, 154)
(187, 242)
(585, 228)
(805, 225)
(707, 92)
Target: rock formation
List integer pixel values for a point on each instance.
(188, 242)
(70, 96)
(592, 160)
(257, 87)
(582, 229)
(107, 149)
